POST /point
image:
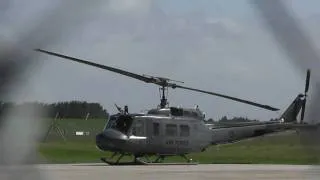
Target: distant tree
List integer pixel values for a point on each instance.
(224, 118)
(210, 121)
(71, 109)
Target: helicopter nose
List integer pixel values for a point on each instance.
(110, 140)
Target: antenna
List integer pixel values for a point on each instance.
(87, 116)
(55, 127)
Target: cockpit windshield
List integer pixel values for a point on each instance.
(177, 112)
(163, 112)
(121, 123)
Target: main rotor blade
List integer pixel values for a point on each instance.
(126, 73)
(228, 97)
(151, 79)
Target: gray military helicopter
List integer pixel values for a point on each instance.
(175, 131)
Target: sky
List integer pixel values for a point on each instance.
(214, 45)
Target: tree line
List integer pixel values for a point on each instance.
(80, 109)
(225, 119)
(66, 109)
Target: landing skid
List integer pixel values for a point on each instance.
(161, 163)
(141, 162)
(138, 161)
(112, 163)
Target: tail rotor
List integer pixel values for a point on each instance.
(304, 101)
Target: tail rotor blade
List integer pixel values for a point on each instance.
(305, 95)
(307, 82)
(303, 110)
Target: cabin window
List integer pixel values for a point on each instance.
(184, 130)
(171, 130)
(156, 129)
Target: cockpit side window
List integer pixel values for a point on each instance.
(111, 122)
(156, 129)
(121, 123)
(138, 128)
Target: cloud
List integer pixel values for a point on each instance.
(222, 27)
(132, 7)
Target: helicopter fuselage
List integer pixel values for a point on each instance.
(174, 131)
(167, 131)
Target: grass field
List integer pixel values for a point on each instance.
(283, 148)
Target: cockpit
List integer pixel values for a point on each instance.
(120, 122)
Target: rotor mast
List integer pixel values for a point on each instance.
(163, 101)
(164, 83)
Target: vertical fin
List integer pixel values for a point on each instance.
(291, 113)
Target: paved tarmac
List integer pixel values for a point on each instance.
(177, 172)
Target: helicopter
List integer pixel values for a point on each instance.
(166, 130)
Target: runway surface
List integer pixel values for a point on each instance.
(177, 172)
